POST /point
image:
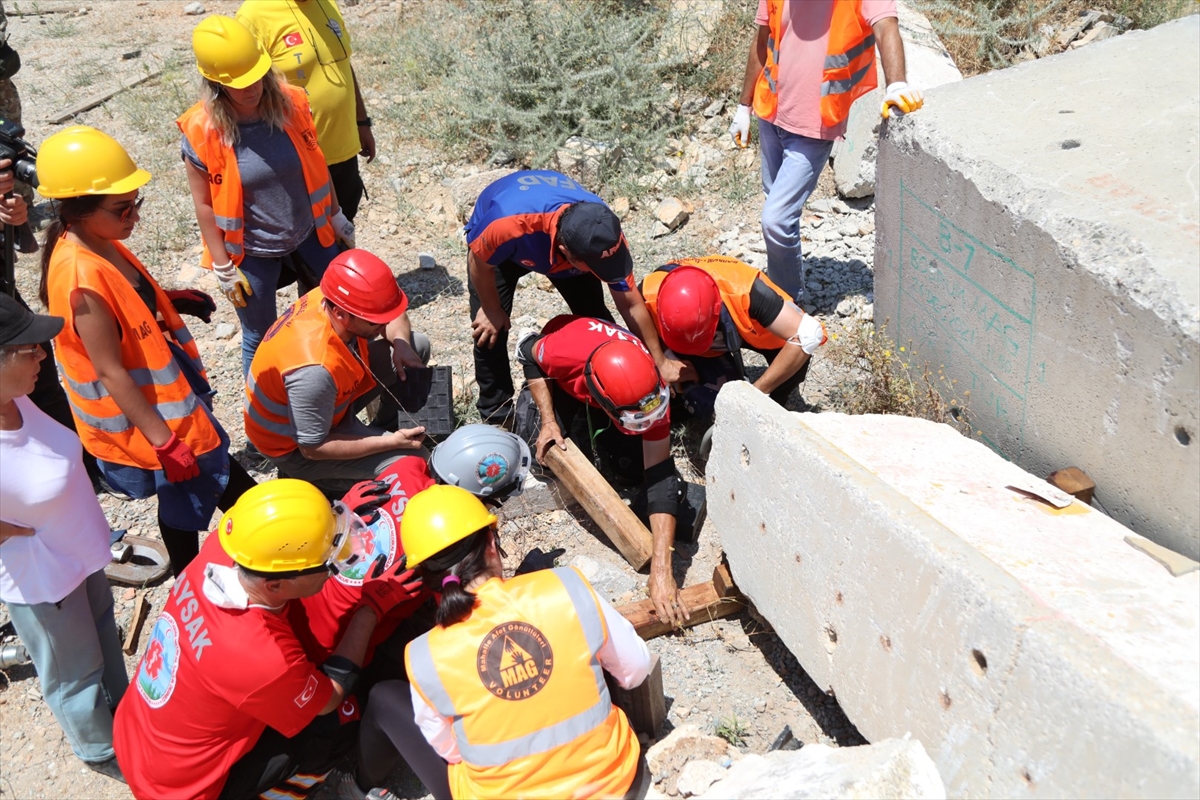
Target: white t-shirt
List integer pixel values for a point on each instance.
(44, 486)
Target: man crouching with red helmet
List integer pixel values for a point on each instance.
(320, 363)
(578, 364)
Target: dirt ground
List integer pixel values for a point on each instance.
(734, 670)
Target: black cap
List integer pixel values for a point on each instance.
(592, 232)
(19, 325)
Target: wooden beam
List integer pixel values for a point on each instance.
(645, 704)
(1075, 482)
(100, 97)
(602, 504)
(704, 602)
(140, 608)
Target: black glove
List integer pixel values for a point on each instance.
(192, 302)
(365, 497)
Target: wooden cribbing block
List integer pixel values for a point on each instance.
(645, 704)
(140, 609)
(704, 602)
(602, 503)
(1075, 482)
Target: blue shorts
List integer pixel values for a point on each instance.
(188, 505)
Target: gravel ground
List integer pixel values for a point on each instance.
(718, 671)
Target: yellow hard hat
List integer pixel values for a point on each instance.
(437, 518)
(283, 525)
(228, 53)
(82, 160)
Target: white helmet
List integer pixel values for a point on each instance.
(484, 460)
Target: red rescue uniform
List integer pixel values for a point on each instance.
(210, 682)
(562, 352)
(328, 612)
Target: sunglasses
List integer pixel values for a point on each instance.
(24, 349)
(125, 213)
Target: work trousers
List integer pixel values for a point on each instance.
(77, 652)
(260, 312)
(335, 477)
(698, 400)
(302, 760)
(584, 295)
(791, 165)
(348, 184)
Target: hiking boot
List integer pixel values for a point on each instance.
(348, 789)
(108, 768)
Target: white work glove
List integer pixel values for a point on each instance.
(739, 129)
(903, 97)
(343, 228)
(810, 335)
(233, 283)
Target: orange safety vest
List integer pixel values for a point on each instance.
(522, 685)
(734, 280)
(104, 429)
(225, 182)
(849, 69)
(302, 337)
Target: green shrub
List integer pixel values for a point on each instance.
(540, 73)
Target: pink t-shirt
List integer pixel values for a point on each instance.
(802, 60)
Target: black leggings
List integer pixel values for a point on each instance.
(305, 757)
(182, 546)
(388, 733)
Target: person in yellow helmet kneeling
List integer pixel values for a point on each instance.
(509, 687)
(226, 703)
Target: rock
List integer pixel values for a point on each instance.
(890, 768)
(840, 207)
(822, 206)
(536, 281)
(671, 212)
(1100, 32)
(607, 580)
(583, 158)
(714, 108)
(426, 261)
(620, 207)
(667, 164)
(1085, 20)
(659, 231)
(224, 330)
(688, 31)
(464, 191)
(685, 743)
(193, 9)
(866, 227)
(189, 275)
(849, 306)
(696, 776)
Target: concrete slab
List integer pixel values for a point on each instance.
(1038, 233)
(1029, 648)
(927, 64)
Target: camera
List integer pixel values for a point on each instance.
(19, 151)
(24, 167)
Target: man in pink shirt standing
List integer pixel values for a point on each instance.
(809, 61)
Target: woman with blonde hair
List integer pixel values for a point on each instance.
(137, 388)
(258, 178)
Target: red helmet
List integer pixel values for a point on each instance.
(689, 309)
(360, 283)
(622, 378)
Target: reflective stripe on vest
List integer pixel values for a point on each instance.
(849, 68)
(425, 675)
(842, 61)
(146, 353)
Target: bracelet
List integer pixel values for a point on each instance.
(364, 123)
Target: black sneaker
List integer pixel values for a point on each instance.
(107, 768)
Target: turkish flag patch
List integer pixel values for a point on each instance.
(310, 691)
(349, 710)
(293, 39)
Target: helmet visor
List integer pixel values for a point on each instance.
(351, 540)
(647, 412)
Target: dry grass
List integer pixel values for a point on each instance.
(983, 35)
(883, 377)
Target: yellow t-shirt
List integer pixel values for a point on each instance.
(309, 43)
